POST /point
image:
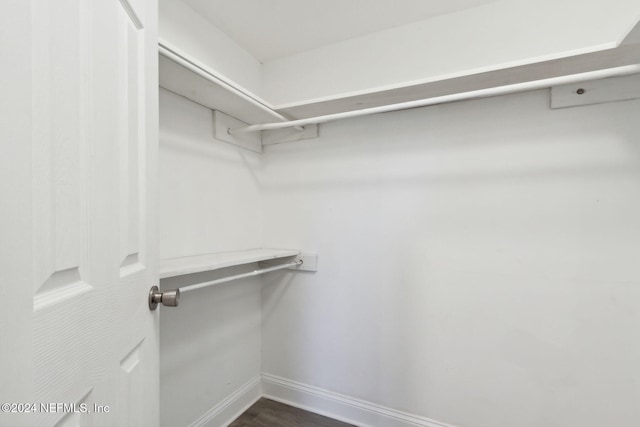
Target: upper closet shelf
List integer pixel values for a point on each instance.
(199, 263)
(186, 77)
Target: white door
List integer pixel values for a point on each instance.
(78, 134)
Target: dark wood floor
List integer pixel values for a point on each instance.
(267, 413)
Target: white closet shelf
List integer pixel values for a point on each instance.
(187, 77)
(198, 263)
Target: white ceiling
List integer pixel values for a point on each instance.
(270, 29)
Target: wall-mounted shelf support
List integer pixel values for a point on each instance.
(272, 137)
(596, 92)
(255, 140)
(221, 124)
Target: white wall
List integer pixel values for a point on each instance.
(210, 197)
(478, 262)
(209, 202)
(462, 43)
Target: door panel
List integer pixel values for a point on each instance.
(92, 131)
(67, 311)
(131, 131)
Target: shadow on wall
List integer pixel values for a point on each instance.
(514, 138)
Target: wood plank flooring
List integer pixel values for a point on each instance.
(267, 413)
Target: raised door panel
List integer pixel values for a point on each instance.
(94, 339)
(68, 314)
(130, 133)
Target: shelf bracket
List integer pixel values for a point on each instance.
(279, 136)
(611, 89)
(255, 140)
(223, 122)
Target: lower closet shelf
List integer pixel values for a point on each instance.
(195, 264)
(209, 262)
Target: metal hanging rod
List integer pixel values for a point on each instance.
(171, 297)
(481, 93)
(242, 276)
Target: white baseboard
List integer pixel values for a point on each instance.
(225, 412)
(343, 408)
(313, 399)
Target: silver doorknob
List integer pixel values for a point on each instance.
(168, 298)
